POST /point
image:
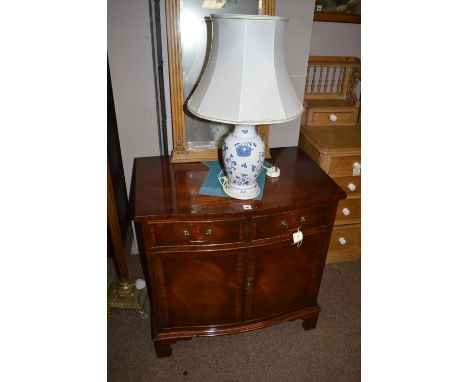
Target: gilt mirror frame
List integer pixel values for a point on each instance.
(180, 151)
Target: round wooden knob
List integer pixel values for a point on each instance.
(351, 187)
(346, 211)
(342, 240)
(333, 117)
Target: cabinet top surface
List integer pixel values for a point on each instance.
(334, 139)
(161, 189)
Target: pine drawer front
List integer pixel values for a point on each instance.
(345, 238)
(350, 184)
(196, 232)
(348, 212)
(345, 166)
(288, 222)
(330, 117)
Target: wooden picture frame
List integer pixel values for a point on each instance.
(337, 17)
(180, 152)
(332, 13)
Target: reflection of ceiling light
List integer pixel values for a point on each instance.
(192, 28)
(214, 4)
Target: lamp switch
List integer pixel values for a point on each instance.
(273, 172)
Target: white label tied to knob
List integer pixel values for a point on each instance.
(297, 237)
(333, 117)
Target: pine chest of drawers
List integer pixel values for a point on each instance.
(215, 267)
(337, 149)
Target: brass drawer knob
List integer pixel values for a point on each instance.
(284, 223)
(209, 232)
(302, 219)
(185, 232)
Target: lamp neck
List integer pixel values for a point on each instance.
(244, 131)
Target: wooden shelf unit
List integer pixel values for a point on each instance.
(331, 136)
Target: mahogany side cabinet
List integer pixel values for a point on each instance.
(218, 265)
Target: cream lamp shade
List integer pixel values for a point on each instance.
(245, 80)
(245, 83)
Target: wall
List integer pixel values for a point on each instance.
(335, 39)
(298, 35)
(131, 68)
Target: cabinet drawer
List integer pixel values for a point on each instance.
(349, 211)
(346, 237)
(288, 222)
(196, 232)
(331, 118)
(350, 184)
(345, 166)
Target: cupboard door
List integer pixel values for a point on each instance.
(283, 277)
(199, 288)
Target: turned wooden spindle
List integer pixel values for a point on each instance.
(306, 91)
(325, 88)
(339, 87)
(332, 85)
(350, 83)
(319, 85)
(312, 90)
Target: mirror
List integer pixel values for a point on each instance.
(189, 35)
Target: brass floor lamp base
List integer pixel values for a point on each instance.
(127, 296)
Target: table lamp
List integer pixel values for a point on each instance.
(245, 83)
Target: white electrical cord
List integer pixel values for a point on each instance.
(222, 179)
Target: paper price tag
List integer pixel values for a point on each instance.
(297, 237)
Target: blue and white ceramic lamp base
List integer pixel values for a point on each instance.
(243, 157)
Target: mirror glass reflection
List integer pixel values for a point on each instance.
(195, 27)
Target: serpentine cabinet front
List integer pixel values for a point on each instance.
(227, 272)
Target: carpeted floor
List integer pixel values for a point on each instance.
(284, 352)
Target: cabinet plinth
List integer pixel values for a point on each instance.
(215, 268)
